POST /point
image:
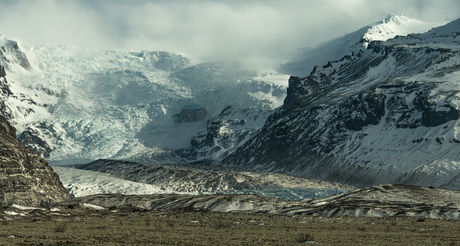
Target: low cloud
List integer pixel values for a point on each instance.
(211, 29)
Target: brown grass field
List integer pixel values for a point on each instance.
(135, 227)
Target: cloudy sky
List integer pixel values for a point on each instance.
(204, 28)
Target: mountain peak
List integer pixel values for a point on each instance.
(394, 25)
(354, 42)
(397, 19)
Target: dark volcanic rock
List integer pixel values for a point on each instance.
(2, 72)
(190, 115)
(31, 140)
(25, 178)
(362, 110)
(5, 92)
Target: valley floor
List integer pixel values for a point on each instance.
(133, 226)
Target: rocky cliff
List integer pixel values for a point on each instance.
(387, 114)
(25, 178)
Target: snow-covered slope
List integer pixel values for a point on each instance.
(388, 114)
(76, 105)
(84, 183)
(393, 25)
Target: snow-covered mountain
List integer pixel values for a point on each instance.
(76, 105)
(386, 114)
(307, 58)
(383, 111)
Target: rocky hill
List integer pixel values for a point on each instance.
(387, 114)
(25, 178)
(376, 201)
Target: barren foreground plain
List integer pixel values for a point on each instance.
(134, 226)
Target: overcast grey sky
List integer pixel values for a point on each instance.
(207, 28)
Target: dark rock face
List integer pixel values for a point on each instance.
(362, 110)
(224, 133)
(30, 139)
(25, 178)
(432, 114)
(2, 72)
(5, 92)
(11, 53)
(190, 115)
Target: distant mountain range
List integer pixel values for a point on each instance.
(367, 108)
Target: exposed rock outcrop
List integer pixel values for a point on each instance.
(5, 92)
(30, 138)
(25, 178)
(190, 115)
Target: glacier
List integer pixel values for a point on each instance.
(76, 105)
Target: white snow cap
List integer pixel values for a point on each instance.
(394, 25)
